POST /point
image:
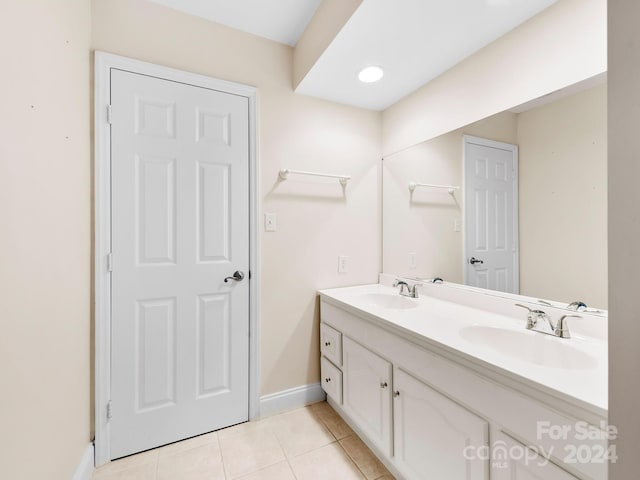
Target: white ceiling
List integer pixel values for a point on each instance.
(413, 40)
(279, 20)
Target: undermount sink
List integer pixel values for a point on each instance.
(388, 301)
(532, 347)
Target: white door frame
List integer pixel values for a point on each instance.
(104, 62)
(466, 139)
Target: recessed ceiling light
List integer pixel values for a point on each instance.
(370, 74)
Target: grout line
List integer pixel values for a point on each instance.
(353, 461)
(293, 472)
(224, 468)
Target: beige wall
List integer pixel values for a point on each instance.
(624, 231)
(423, 222)
(44, 238)
(316, 220)
(563, 199)
(562, 194)
(563, 45)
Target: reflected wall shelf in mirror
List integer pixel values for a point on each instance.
(450, 188)
(284, 175)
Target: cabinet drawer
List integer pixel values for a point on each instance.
(331, 344)
(331, 378)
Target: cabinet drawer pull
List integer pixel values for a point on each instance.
(383, 385)
(396, 393)
(328, 379)
(327, 344)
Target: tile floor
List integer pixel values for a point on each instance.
(310, 443)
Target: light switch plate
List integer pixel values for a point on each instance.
(343, 264)
(270, 222)
(413, 263)
(457, 225)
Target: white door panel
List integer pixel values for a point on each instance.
(491, 231)
(180, 215)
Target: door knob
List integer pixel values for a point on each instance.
(238, 276)
(474, 260)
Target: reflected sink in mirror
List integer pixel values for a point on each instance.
(388, 301)
(532, 347)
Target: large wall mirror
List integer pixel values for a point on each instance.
(547, 211)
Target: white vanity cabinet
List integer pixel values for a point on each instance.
(512, 460)
(431, 433)
(367, 393)
(429, 414)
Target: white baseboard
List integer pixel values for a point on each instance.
(291, 399)
(84, 470)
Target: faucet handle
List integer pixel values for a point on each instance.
(397, 282)
(533, 316)
(523, 306)
(562, 330)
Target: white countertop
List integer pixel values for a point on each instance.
(441, 321)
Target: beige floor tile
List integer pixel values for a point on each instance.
(280, 471)
(328, 462)
(364, 458)
(300, 431)
(243, 428)
(332, 420)
(140, 459)
(250, 451)
(199, 463)
(188, 444)
(140, 472)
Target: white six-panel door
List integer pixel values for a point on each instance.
(180, 225)
(491, 228)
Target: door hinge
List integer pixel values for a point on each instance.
(109, 262)
(109, 114)
(513, 174)
(109, 410)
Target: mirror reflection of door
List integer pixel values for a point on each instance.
(491, 214)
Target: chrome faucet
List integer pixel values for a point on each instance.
(561, 329)
(534, 316)
(405, 289)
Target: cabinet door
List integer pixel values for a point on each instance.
(366, 393)
(431, 433)
(511, 460)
